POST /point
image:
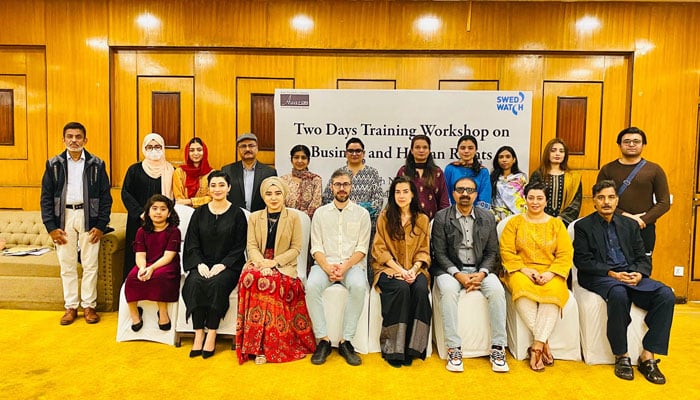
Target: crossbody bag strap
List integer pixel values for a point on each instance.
(629, 178)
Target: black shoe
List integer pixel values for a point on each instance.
(651, 371)
(348, 353)
(623, 368)
(407, 361)
(195, 353)
(395, 363)
(166, 326)
(206, 354)
(323, 350)
(137, 327)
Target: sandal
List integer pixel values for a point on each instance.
(260, 359)
(538, 359)
(547, 357)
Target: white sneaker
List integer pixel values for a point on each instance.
(454, 360)
(498, 360)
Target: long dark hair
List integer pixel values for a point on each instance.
(430, 170)
(476, 163)
(546, 164)
(498, 171)
(173, 218)
(393, 212)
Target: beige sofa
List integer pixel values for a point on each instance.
(34, 282)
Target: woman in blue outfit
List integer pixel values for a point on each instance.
(469, 165)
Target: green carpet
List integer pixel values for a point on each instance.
(42, 360)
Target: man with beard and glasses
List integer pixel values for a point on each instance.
(340, 233)
(610, 256)
(465, 256)
(75, 207)
(247, 174)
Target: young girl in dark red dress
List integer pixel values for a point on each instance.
(156, 276)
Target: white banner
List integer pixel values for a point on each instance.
(386, 120)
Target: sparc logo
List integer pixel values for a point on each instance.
(514, 104)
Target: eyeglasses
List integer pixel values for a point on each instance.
(343, 185)
(247, 146)
(354, 151)
(461, 190)
(633, 142)
(156, 147)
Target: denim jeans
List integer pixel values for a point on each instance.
(355, 280)
(491, 288)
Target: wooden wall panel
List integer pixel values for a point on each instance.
(125, 147)
(78, 73)
(182, 85)
(467, 85)
(22, 23)
(215, 107)
(7, 116)
(16, 109)
(245, 87)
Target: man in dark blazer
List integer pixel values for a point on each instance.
(610, 256)
(247, 174)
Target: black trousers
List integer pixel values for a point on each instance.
(406, 311)
(659, 305)
(649, 238)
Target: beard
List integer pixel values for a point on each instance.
(341, 197)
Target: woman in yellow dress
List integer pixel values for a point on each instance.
(536, 253)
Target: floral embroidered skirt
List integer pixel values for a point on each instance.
(272, 318)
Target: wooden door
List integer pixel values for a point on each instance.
(693, 272)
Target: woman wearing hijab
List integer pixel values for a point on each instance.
(153, 175)
(190, 185)
(273, 322)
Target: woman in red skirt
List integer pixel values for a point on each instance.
(273, 322)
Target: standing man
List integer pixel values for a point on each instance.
(340, 234)
(642, 187)
(610, 256)
(75, 207)
(465, 253)
(247, 174)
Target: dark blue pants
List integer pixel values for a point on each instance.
(659, 305)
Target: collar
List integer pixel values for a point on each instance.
(251, 168)
(458, 214)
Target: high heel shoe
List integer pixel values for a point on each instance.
(547, 357)
(137, 327)
(538, 358)
(206, 354)
(166, 326)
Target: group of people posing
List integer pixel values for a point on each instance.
(246, 208)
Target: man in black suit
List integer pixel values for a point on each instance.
(247, 174)
(610, 256)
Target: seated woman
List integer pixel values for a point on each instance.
(428, 177)
(536, 253)
(156, 276)
(469, 165)
(190, 184)
(401, 258)
(304, 186)
(214, 257)
(563, 186)
(507, 184)
(273, 322)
